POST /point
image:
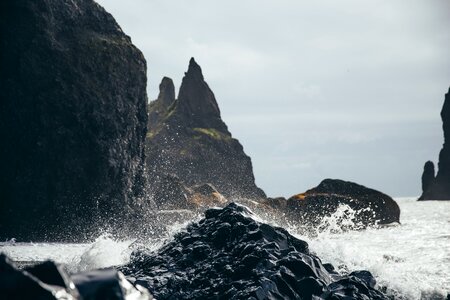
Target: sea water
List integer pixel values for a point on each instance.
(411, 260)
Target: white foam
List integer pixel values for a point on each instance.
(104, 252)
(412, 260)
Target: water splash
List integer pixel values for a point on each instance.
(342, 220)
(104, 252)
(411, 261)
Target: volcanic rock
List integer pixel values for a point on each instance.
(158, 108)
(170, 193)
(428, 175)
(187, 138)
(72, 120)
(49, 281)
(438, 188)
(230, 255)
(370, 207)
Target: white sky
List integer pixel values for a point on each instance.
(348, 89)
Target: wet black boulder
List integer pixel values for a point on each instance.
(230, 255)
(370, 207)
(49, 281)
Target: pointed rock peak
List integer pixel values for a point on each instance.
(166, 83)
(166, 91)
(428, 175)
(196, 101)
(194, 70)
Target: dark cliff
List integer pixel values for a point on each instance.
(438, 188)
(187, 138)
(72, 119)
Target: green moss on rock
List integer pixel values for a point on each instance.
(213, 133)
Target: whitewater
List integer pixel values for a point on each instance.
(410, 260)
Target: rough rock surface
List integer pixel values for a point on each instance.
(428, 175)
(438, 188)
(371, 207)
(170, 193)
(49, 281)
(158, 109)
(229, 255)
(72, 119)
(187, 138)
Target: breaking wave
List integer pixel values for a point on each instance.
(411, 260)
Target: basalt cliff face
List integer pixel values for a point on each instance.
(72, 119)
(187, 138)
(438, 187)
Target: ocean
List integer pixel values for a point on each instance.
(410, 260)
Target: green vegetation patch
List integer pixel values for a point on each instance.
(213, 133)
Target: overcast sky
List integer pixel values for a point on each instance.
(345, 89)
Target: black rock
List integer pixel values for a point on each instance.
(17, 284)
(49, 281)
(158, 109)
(108, 284)
(170, 193)
(51, 273)
(187, 138)
(72, 120)
(229, 255)
(438, 188)
(370, 206)
(428, 175)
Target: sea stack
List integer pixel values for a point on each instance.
(72, 119)
(188, 139)
(438, 188)
(370, 206)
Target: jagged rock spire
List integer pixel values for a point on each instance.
(194, 70)
(166, 92)
(158, 108)
(438, 188)
(427, 175)
(197, 101)
(190, 140)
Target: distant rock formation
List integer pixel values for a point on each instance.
(158, 109)
(187, 138)
(370, 207)
(438, 188)
(230, 255)
(72, 119)
(428, 175)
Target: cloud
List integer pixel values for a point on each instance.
(313, 89)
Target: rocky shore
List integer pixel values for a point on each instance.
(230, 255)
(84, 151)
(226, 255)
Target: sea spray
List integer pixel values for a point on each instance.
(410, 260)
(105, 251)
